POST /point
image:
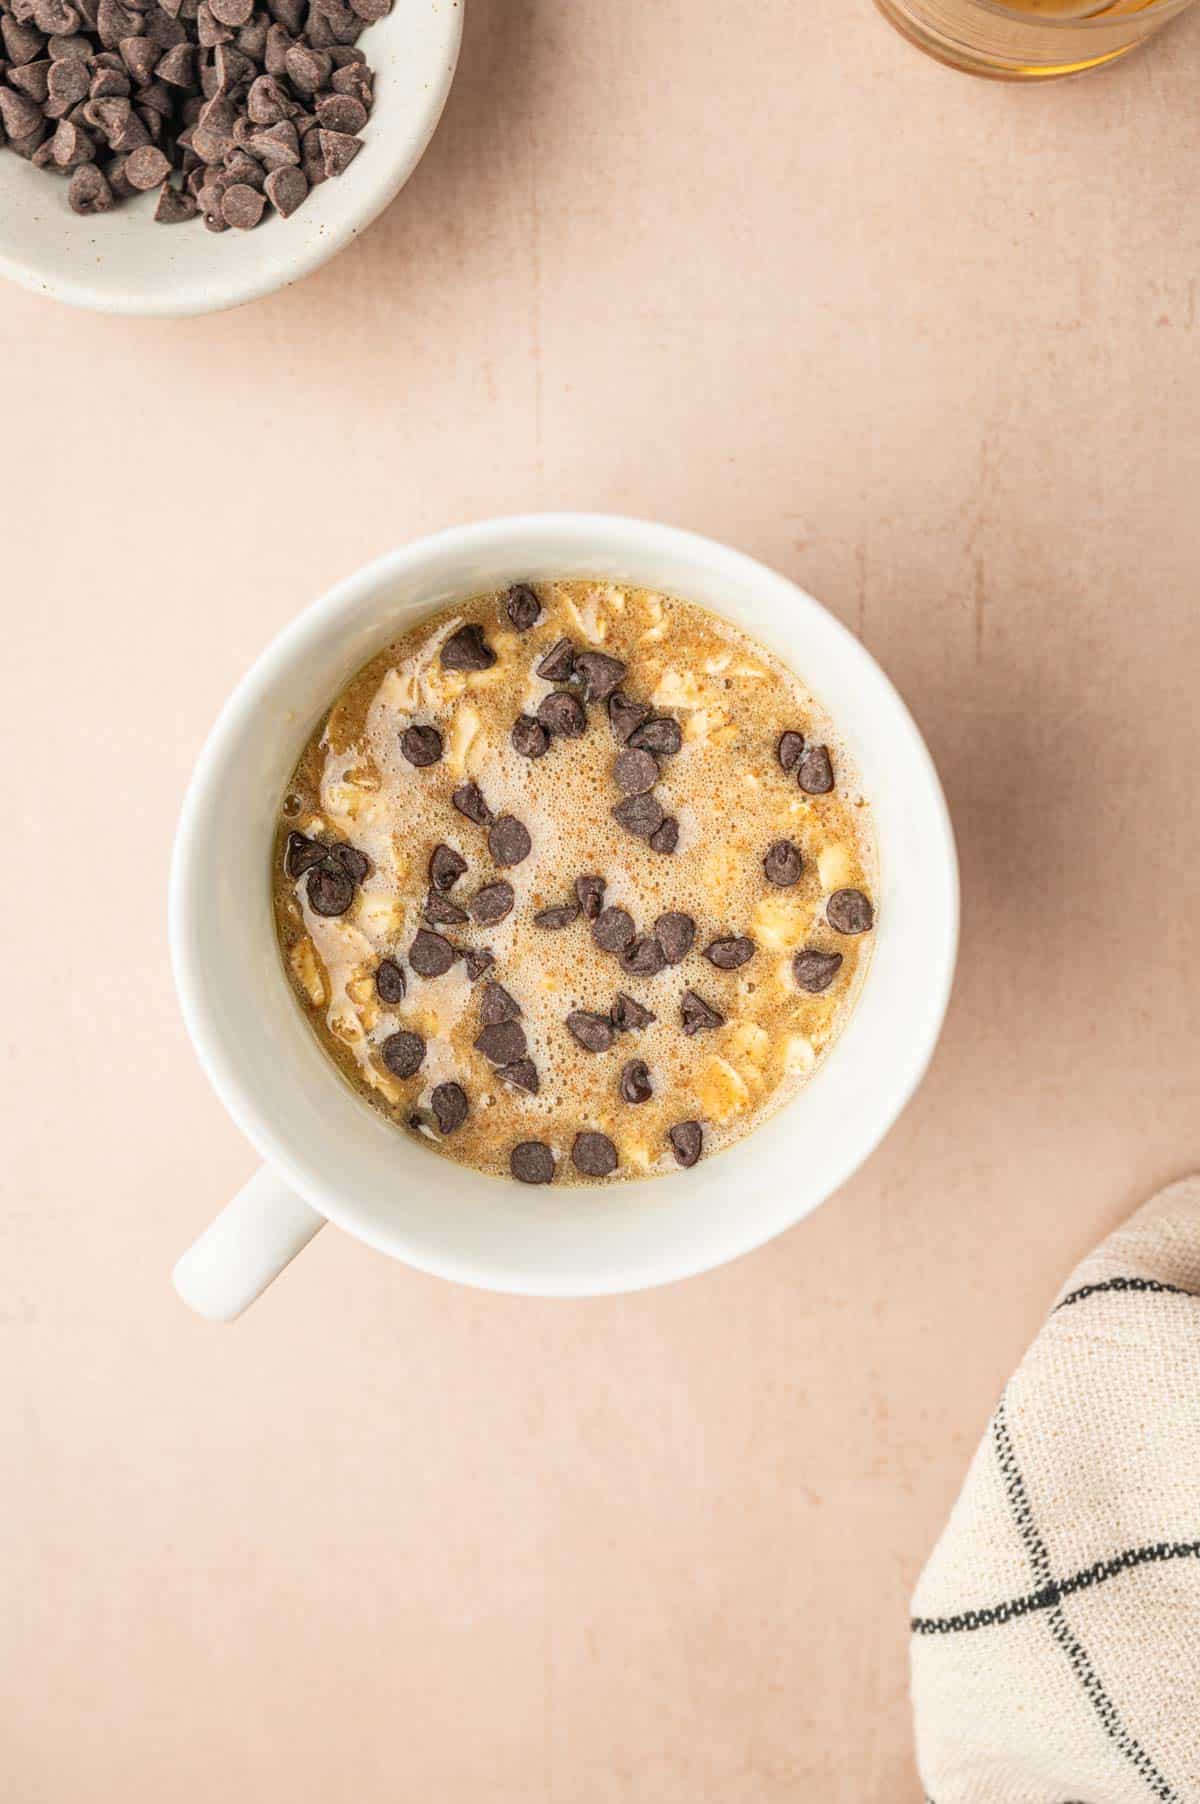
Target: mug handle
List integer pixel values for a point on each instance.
(245, 1248)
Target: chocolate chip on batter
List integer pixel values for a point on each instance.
(491, 903)
(635, 1085)
(449, 1104)
(478, 960)
(468, 799)
(529, 737)
(390, 981)
(640, 815)
(666, 837)
(624, 716)
(643, 957)
(814, 971)
(612, 929)
(330, 890)
(635, 772)
(522, 1074)
(675, 933)
(446, 866)
(522, 607)
(562, 916)
(467, 649)
(403, 1053)
(594, 1155)
(849, 911)
(356, 864)
(590, 891)
(502, 1043)
(421, 745)
(497, 1005)
(593, 1032)
(561, 713)
(430, 955)
(599, 674)
(686, 1140)
(442, 912)
(302, 854)
(814, 772)
(662, 735)
(558, 662)
(729, 952)
(628, 1013)
(697, 1015)
(532, 1162)
(789, 750)
(508, 840)
(783, 863)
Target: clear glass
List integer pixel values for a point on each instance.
(1029, 40)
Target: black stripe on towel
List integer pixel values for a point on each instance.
(1097, 1574)
(1141, 1285)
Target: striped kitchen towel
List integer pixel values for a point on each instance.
(1056, 1628)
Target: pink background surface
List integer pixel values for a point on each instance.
(930, 347)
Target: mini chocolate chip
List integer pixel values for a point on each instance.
(430, 955)
(496, 1004)
(729, 952)
(467, 649)
(662, 735)
(302, 854)
(508, 840)
(558, 662)
(403, 1053)
(635, 1085)
(594, 1155)
(491, 903)
(442, 912)
(643, 958)
(697, 1015)
(356, 864)
(667, 836)
(593, 1032)
(562, 916)
(330, 890)
(814, 772)
(849, 911)
(628, 1013)
(522, 607)
(468, 799)
(599, 674)
(529, 737)
(788, 751)
(421, 745)
(814, 971)
(446, 866)
(640, 815)
(532, 1162)
(390, 981)
(686, 1141)
(561, 713)
(478, 960)
(449, 1104)
(625, 716)
(612, 929)
(783, 863)
(675, 933)
(635, 772)
(590, 891)
(522, 1074)
(502, 1043)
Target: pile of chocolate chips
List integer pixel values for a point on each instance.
(221, 105)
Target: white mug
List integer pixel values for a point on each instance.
(329, 1157)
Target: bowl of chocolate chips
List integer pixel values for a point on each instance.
(171, 157)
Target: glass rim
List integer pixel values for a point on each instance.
(1000, 11)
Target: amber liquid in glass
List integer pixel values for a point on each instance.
(1029, 39)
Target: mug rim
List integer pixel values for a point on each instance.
(685, 1258)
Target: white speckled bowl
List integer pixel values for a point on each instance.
(122, 262)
